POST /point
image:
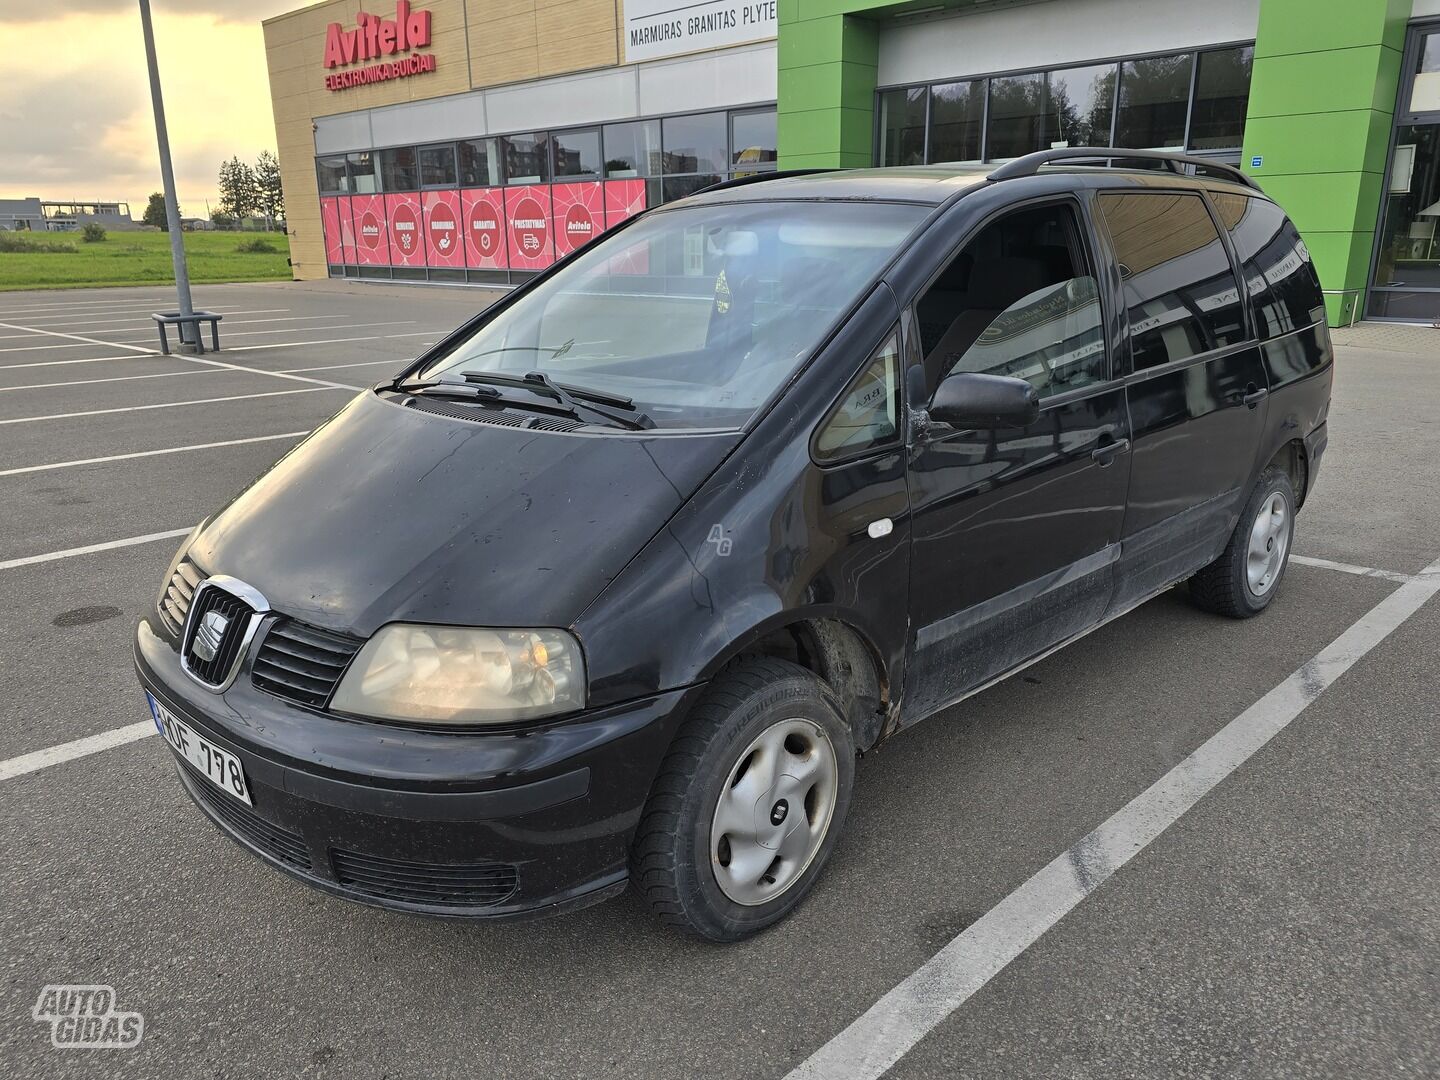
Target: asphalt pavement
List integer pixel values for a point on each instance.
(1285, 925)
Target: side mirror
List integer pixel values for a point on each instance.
(969, 399)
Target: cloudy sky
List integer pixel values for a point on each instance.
(75, 119)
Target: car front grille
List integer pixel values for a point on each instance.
(462, 885)
(302, 663)
(179, 591)
(274, 841)
(233, 616)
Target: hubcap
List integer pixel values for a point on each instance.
(1269, 540)
(773, 812)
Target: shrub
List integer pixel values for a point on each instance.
(93, 232)
(258, 246)
(22, 243)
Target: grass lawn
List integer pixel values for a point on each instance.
(138, 258)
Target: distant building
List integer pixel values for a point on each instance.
(22, 214)
(69, 216)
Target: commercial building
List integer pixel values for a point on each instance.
(37, 215)
(479, 140)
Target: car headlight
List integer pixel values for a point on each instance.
(459, 675)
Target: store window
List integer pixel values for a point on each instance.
(1017, 108)
(632, 149)
(437, 165)
(361, 167)
(479, 163)
(1425, 90)
(902, 126)
(399, 169)
(526, 158)
(678, 187)
(1154, 100)
(694, 144)
(1222, 94)
(330, 172)
(1409, 237)
(1080, 106)
(753, 144)
(957, 118)
(575, 153)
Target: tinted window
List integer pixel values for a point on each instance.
(437, 165)
(362, 173)
(957, 117)
(525, 158)
(331, 173)
(479, 163)
(867, 416)
(1179, 288)
(902, 127)
(1080, 106)
(633, 149)
(575, 153)
(694, 144)
(1019, 300)
(1279, 276)
(398, 169)
(1016, 115)
(1222, 94)
(1154, 95)
(753, 141)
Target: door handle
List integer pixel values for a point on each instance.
(1254, 397)
(1104, 455)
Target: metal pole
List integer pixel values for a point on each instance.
(189, 331)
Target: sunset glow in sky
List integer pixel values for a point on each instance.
(75, 119)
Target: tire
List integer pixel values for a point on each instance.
(1243, 581)
(700, 862)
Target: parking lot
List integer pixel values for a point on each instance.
(1012, 897)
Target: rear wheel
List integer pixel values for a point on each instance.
(1244, 579)
(748, 804)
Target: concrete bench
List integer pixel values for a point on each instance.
(167, 318)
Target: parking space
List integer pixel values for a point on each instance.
(1284, 926)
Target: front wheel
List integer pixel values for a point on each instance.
(1246, 576)
(748, 804)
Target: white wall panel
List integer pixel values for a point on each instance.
(1051, 33)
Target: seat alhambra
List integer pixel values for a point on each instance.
(616, 582)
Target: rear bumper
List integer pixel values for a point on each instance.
(488, 825)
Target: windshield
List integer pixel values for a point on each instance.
(696, 315)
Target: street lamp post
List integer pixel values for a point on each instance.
(189, 331)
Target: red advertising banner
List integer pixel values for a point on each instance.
(444, 237)
(623, 199)
(483, 212)
(347, 232)
(372, 238)
(330, 225)
(407, 243)
(527, 220)
(578, 214)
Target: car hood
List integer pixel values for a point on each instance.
(387, 513)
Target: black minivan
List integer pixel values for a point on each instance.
(615, 583)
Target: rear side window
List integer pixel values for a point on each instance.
(1279, 276)
(1180, 290)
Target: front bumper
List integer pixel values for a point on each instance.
(495, 824)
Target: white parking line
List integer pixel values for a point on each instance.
(1351, 568)
(170, 405)
(302, 329)
(138, 302)
(67, 345)
(80, 337)
(91, 744)
(900, 1019)
(149, 453)
(140, 315)
(90, 549)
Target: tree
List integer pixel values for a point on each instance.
(155, 212)
(268, 192)
(237, 188)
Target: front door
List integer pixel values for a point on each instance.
(1197, 387)
(1014, 532)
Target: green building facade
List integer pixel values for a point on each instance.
(1333, 105)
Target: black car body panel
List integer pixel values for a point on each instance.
(908, 575)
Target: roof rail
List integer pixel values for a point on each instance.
(1181, 164)
(761, 177)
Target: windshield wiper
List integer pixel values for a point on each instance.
(575, 399)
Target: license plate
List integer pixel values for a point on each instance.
(220, 767)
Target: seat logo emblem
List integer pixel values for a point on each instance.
(209, 635)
